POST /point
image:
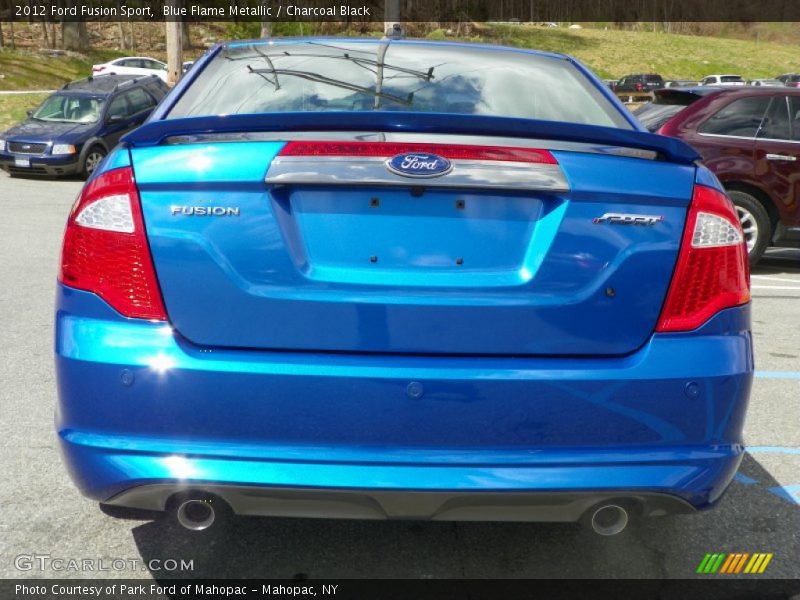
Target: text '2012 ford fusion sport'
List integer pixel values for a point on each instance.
(401, 279)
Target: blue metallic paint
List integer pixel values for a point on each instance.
(197, 414)
(299, 255)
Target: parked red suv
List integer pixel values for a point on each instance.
(750, 138)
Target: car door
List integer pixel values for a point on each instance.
(777, 155)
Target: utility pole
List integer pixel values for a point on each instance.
(174, 47)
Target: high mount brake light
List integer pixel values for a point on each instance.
(712, 272)
(105, 247)
(388, 149)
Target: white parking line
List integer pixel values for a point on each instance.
(14, 92)
(770, 278)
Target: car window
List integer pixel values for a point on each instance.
(730, 78)
(794, 115)
(776, 125)
(257, 78)
(119, 107)
(139, 100)
(740, 118)
(152, 64)
(69, 109)
(157, 91)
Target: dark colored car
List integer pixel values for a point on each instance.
(640, 82)
(74, 129)
(750, 139)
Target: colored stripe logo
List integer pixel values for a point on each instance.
(734, 563)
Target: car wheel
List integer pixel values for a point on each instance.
(93, 158)
(755, 223)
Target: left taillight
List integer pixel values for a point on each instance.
(712, 272)
(105, 247)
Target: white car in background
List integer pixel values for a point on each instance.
(723, 80)
(765, 83)
(131, 65)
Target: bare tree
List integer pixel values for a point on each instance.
(122, 41)
(74, 36)
(48, 34)
(186, 40)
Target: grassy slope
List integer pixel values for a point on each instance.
(33, 71)
(613, 54)
(13, 107)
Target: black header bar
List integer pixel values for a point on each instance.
(509, 11)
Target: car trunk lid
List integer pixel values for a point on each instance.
(313, 242)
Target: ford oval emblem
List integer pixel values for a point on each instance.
(419, 164)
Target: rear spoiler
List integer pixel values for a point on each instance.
(153, 133)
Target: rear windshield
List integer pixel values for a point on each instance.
(730, 78)
(653, 78)
(261, 77)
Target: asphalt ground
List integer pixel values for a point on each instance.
(43, 514)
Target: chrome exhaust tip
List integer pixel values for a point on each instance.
(196, 514)
(609, 519)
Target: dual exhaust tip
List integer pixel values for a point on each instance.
(196, 514)
(608, 519)
(200, 513)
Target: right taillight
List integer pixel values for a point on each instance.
(106, 250)
(712, 272)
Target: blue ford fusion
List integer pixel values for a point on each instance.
(397, 279)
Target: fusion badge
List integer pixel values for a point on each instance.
(205, 211)
(419, 164)
(628, 219)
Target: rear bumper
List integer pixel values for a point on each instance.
(143, 414)
(406, 504)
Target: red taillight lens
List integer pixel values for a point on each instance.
(105, 247)
(387, 149)
(639, 87)
(712, 271)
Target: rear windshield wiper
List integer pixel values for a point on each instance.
(316, 77)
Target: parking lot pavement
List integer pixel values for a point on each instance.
(43, 514)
